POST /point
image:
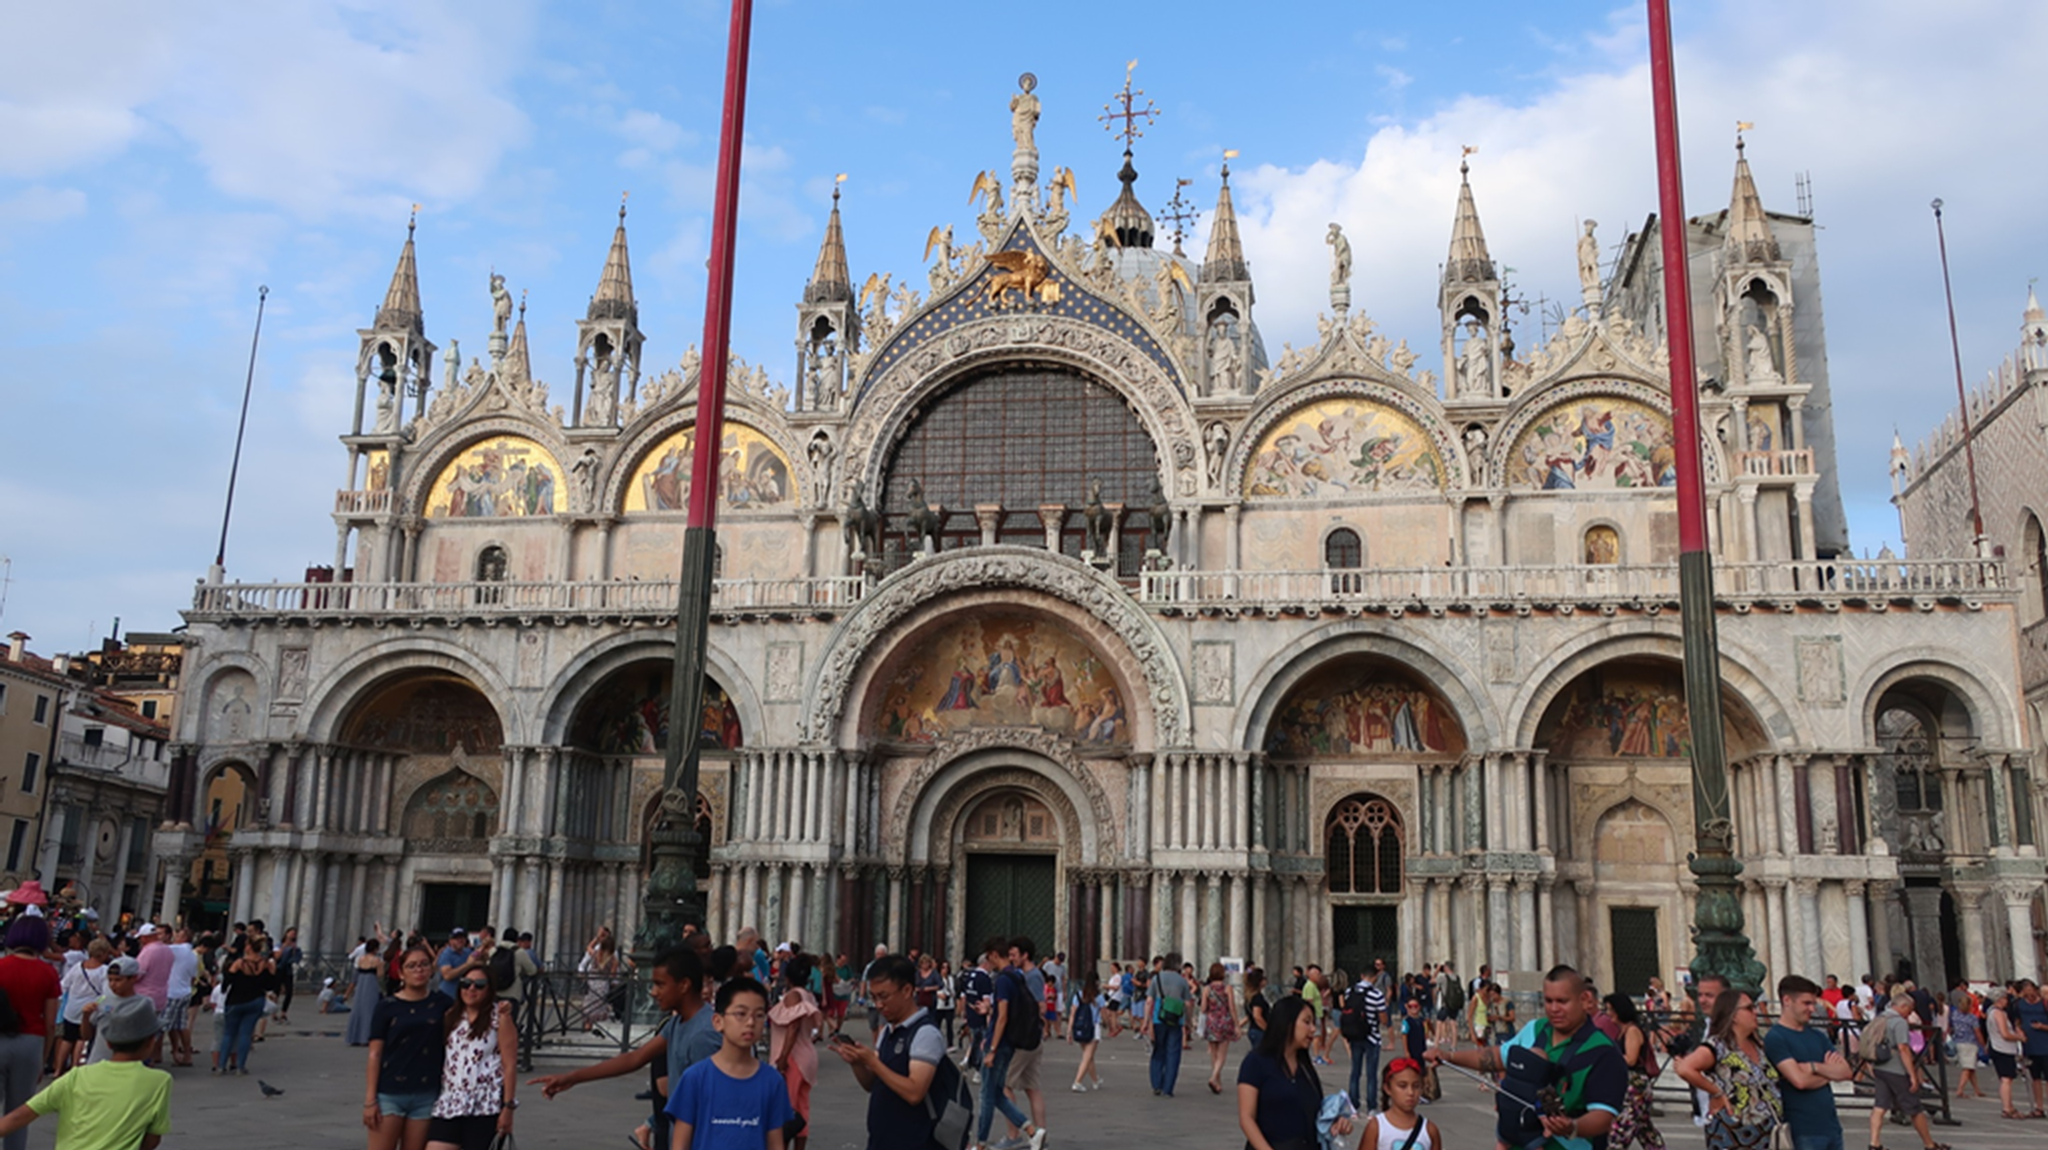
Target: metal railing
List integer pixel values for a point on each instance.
(1673, 1032)
(1559, 583)
(612, 597)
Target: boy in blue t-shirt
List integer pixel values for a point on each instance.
(732, 1100)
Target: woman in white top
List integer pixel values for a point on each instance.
(479, 1075)
(83, 983)
(2004, 1035)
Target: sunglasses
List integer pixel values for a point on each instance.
(474, 984)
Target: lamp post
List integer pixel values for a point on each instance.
(669, 896)
(1721, 947)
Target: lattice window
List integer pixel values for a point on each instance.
(1903, 736)
(1023, 438)
(456, 806)
(1343, 550)
(1365, 847)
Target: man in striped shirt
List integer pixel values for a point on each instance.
(1361, 1024)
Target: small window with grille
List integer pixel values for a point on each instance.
(1364, 839)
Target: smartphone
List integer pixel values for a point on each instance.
(842, 1040)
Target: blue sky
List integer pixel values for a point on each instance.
(148, 186)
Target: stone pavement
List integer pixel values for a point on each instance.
(323, 1084)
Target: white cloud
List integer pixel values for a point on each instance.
(38, 204)
(409, 97)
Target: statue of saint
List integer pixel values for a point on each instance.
(451, 361)
(1473, 363)
(387, 405)
(501, 305)
(1761, 368)
(1340, 256)
(1589, 262)
(1224, 361)
(1024, 114)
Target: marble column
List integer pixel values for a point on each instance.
(1190, 926)
(1773, 897)
(1884, 948)
(1976, 954)
(2019, 925)
(1804, 908)
(1923, 917)
(1859, 931)
(1212, 921)
(1525, 924)
(1240, 925)
(1549, 940)
(1262, 950)
(796, 923)
(1499, 951)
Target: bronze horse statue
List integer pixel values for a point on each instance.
(924, 520)
(860, 524)
(1095, 518)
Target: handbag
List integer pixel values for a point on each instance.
(502, 1142)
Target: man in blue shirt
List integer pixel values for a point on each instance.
(1808, 1067)
(684, 1038)
(453, 960)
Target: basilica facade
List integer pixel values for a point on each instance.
(1049, 602)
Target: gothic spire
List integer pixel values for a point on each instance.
(830, 281)
(1749, 231)
(1225, 260)
(614, 298)
(1468, 261)
(2034, 314)
(402, 299)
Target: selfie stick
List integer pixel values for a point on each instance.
(1492, 1085)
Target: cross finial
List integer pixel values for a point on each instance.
(412, 221)
(1130, 113)
(622, 206)
(1742, 126)
(522, 305)
(836, 181)
(1180, 213)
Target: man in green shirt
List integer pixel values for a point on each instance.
(119, 1104)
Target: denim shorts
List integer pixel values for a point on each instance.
(411, 1107)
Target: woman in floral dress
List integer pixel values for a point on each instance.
(1634, 1125)
(1219, 1022)
(1743, 1105)
(479, 1078)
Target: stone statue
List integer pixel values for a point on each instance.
(1160, 512)
(1225, 364)
(501, 306)
(1024, 114)
(1401, 358)
(1340, 269)
(1760, 367)
(584, 473)
(1475, 446)
(387, 404)
(1589, 263)
(1474, 364)
(1095, 519)
(1219, 451)
(604, 401)
(451, 364)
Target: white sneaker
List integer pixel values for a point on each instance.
(1038, 1139)
(1078, 1088)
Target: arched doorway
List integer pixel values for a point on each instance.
(1924, 807)
(1363, 860)
(1009, 843)
(454, 814)
(1635, 863)
(210, 885)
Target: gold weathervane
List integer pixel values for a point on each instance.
(1130, 131)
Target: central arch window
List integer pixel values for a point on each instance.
(1364, 837)
(1023, 437)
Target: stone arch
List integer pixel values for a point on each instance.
(236, 780)
(1439, 667)
(202, 679)
(433, 457)
(861, 642)
(234, 708)
(1537, 403)
(926, 817)
(1990, 719)
(348, 683)
(2031, 564)
(1406, 400)
(1588, 537)
(1626, 835)
(770, 424)
(1658, 638)
(598, 661)
(886, 406)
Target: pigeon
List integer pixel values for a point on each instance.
(269, 1091)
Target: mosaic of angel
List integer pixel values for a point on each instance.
(1342, 447)
(1002, 671)
(1604, 445)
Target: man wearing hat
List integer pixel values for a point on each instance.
(122, 974)
(117, 1101)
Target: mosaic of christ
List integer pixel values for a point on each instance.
(1001, 671)
(1363, 707)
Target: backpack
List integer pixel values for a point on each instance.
(1875, 1045)
(1454, 997)
(949, 1103)
(504, 969)
(1356, 1021)
(1025, 1027)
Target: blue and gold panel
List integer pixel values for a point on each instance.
(1051, 292)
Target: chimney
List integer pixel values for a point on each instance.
(61, 664)
(17, 646)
